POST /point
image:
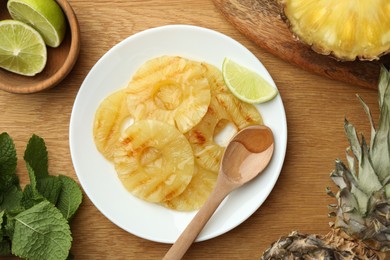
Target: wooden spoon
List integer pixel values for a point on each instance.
(247, 154)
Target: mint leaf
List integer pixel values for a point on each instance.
(36, 156)
(11, 199)
(5, 248)
(50, 188)
(9, 225)
(41, 232)
(70, 197)
(7, 163)
(32, 177)
(31, 196)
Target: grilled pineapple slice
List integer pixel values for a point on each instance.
(154, 160)
(109, 118)
(346, 29)
(196, 193)
(169, 89)
(215, 79)
(224, 107)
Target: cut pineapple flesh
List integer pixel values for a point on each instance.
(346, 29)
(224, 107)
(197, 192)
(169, 155)
(154, 160)
(108, 123)
(170, 89)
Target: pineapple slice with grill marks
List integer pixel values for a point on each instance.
(170, 89)
(110, 116)
(224, 107)
(346, 29)
(196, 193)
(154, 161)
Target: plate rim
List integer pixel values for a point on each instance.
(271, 183)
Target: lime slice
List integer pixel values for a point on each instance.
(22, 49)
(246, 84)
(44, 16)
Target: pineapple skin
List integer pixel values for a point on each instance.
(335, 245)
(347, 30)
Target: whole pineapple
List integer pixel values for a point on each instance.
(347, 29)
(362, 214)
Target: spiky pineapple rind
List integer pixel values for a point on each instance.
(335, 245)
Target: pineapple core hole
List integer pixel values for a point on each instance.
(151, 157)
(168, 95)
(224, 132)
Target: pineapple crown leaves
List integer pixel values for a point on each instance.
(363, 208)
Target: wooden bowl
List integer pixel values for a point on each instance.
(60, 60)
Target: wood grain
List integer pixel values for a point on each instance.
(315, 108)
(261, 22)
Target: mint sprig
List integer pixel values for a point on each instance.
(34, 222)
(8, 160)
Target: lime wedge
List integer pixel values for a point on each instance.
(45, 16)
(22, 49)
(246, 84)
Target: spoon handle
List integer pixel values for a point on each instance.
(180, 247)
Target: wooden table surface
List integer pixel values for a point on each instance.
(315, 109)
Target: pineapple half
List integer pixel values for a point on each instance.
(362, 226)
(346, 29)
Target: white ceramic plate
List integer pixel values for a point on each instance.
(97, 176)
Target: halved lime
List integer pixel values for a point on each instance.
(22, 49)
(246, 84)
(45, 16)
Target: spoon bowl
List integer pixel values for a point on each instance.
(246, 156)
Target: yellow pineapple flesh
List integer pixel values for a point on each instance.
(346, 29)
(169, 89)
(154, 160)
(196, 193)
(169, 155)
(224, 107)
(109, 119)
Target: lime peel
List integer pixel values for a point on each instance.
(246, 84)
(46, 17)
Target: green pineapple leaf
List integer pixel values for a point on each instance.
(368, 180)
(368, 112)
(353, 139)
(380, 152)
